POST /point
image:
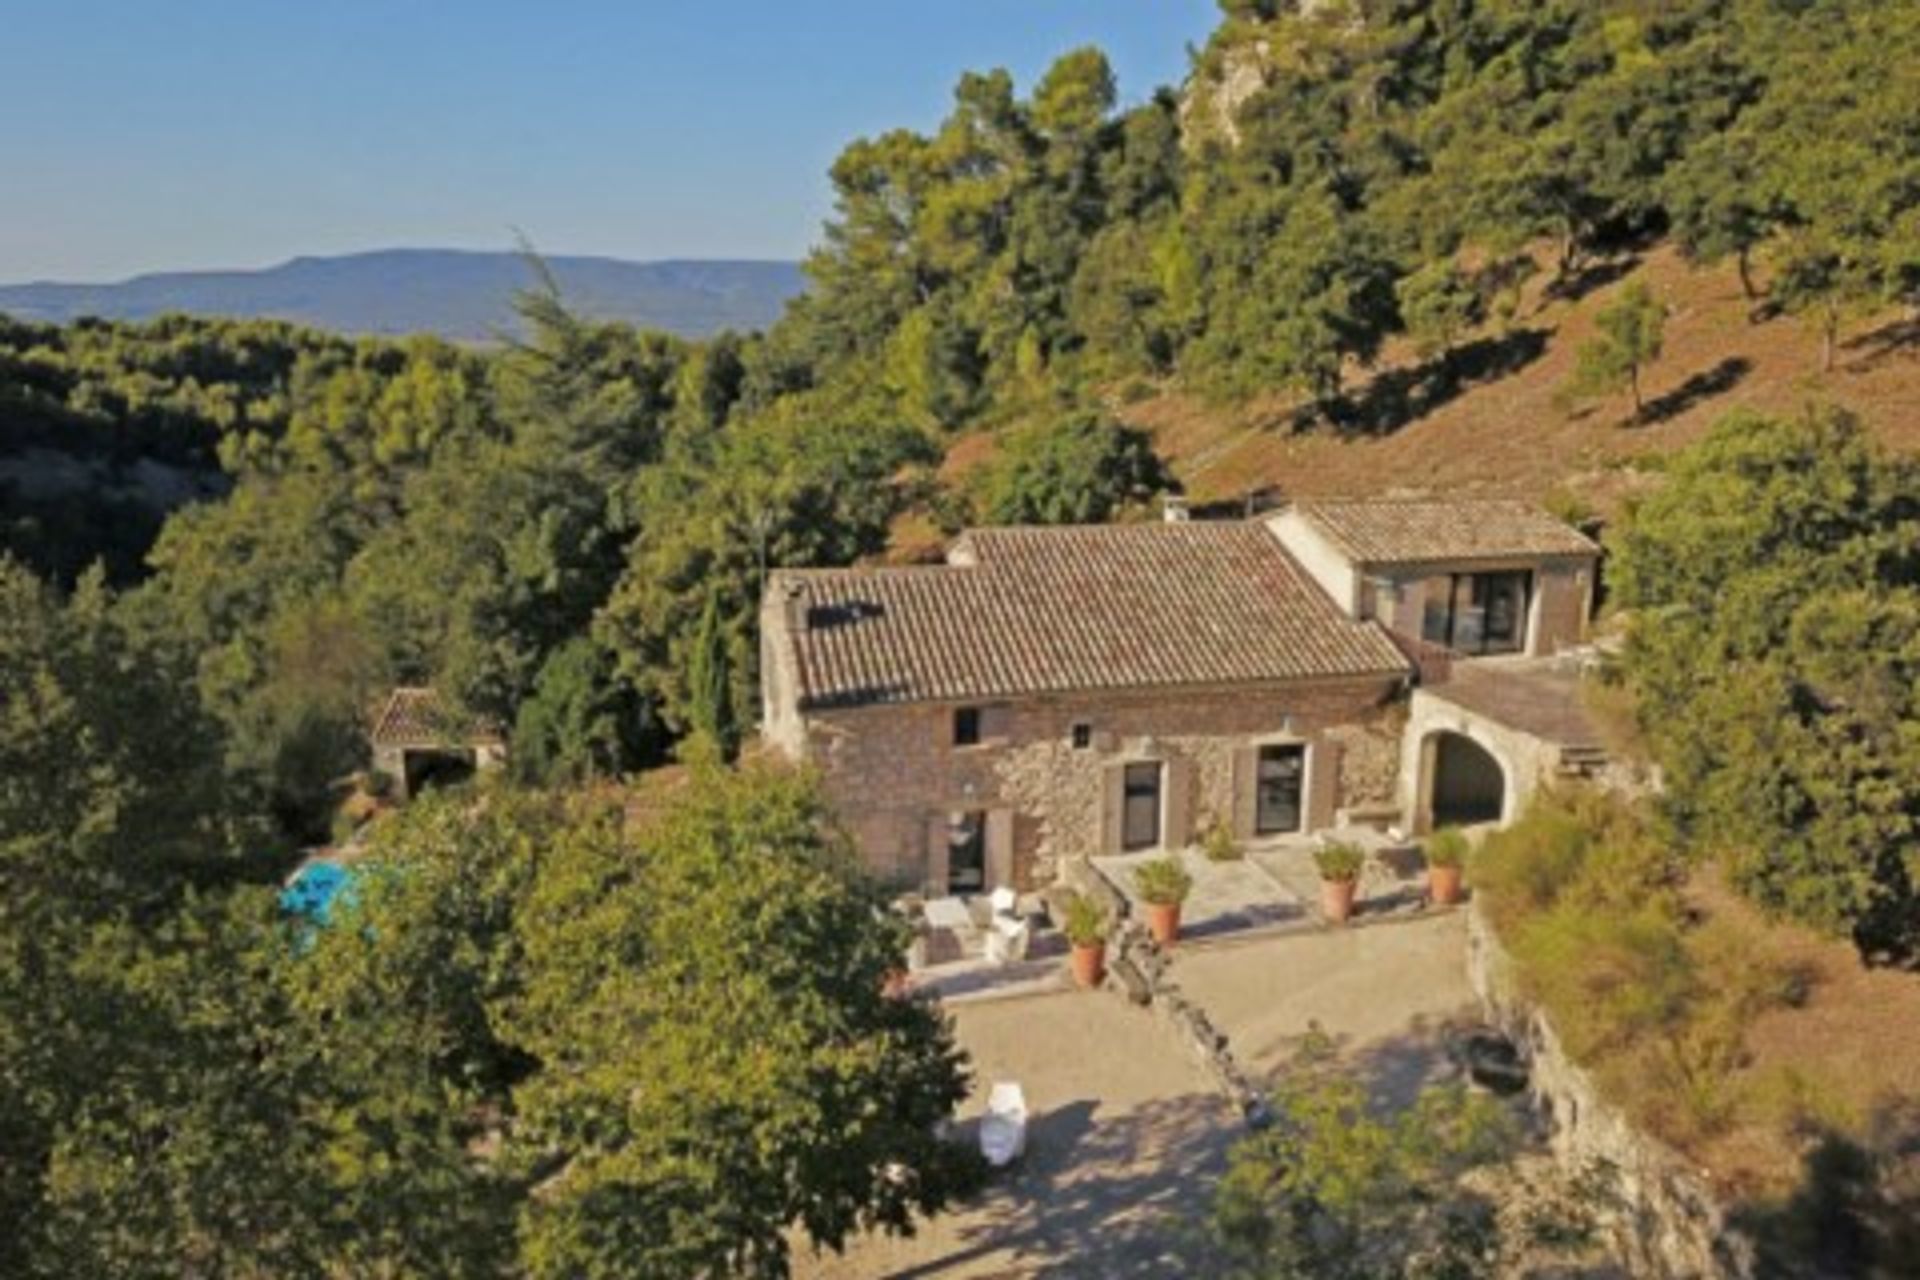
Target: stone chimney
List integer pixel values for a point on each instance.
(793, 601)
(1174, 509)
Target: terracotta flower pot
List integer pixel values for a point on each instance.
(1443, 885)
(1089, 963)
(1336, 900)
(897, 985)
(1163, 922)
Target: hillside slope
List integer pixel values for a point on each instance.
(1508, 433)
(458, 295)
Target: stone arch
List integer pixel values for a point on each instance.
(1463, 781)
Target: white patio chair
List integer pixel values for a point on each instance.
(1003, 1129)
(1006, 933)
(1006, 941)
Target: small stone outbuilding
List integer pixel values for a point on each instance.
(417, 743)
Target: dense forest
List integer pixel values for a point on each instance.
(567, 535)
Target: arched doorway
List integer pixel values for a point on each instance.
(1469, 786)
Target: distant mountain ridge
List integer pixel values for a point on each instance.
(458, 294)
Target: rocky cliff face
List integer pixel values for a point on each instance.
(1667, 1223)
(1241, 61)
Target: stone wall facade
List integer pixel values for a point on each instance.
(1046, 770)
(1667, 1223)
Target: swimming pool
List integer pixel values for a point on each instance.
(315, 888)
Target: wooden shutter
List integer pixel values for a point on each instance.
(1112, 807)
(1243, 802)
(999, 849)
(938, 844)
(1323, 783)
(1177, 817)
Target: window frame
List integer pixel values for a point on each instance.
(967, 727)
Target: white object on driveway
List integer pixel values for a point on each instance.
(1003, 1129)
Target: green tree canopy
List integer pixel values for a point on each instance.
(1078, 469)
(1775, 592)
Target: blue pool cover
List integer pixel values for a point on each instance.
(311, 892)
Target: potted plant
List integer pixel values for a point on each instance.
(1165, 884)
(1446, 853)
(1086, 929)
(1339, 864)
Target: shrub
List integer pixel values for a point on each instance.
(1163, 882)
(1447, 847)
(1339, 861)
(1219, 843)
(1586, 893)
(1086, 921)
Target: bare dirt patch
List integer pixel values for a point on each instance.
(1849, 1051)
(1502, 429)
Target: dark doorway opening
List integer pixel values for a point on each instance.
(967, 852)
(1468, 784)
(1282, 775)
(427, 769)
(1140, 814)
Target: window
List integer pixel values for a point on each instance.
(966, 726)
(967, 852)
(1278, 787)
(1478, 613)
(1082, 735)
(1140, 807)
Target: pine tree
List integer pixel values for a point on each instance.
(710, 684)
(1632, 330)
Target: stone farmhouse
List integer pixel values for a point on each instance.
(1058, 693)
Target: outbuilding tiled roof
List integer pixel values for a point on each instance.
(1394, 531)
(415, 717)
(1028, 611)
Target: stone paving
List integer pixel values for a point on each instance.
(1276, 886)
(1129, 1132)
(1126, 1139)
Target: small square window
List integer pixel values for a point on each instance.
(966, 726)
(1082, 735)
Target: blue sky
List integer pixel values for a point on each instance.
(169, 134)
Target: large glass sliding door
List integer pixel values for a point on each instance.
(1479, 613)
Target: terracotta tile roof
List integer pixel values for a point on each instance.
(415, 717)
(1081, 608)
(1395, 531)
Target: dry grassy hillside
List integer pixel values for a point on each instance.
(1503, 432)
